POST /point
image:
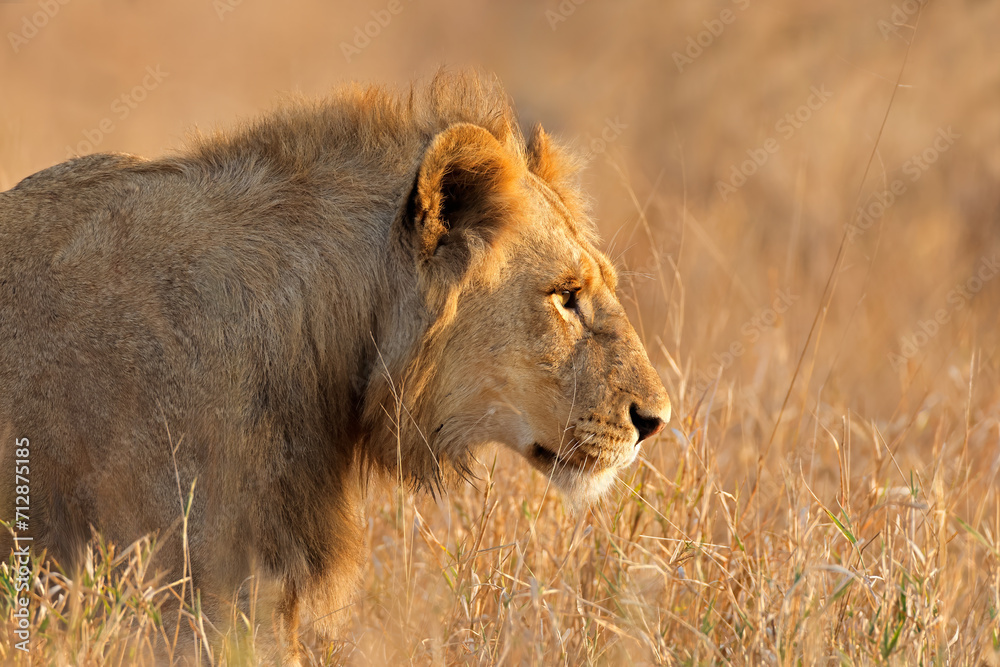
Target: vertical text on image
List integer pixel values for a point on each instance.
(22, 543)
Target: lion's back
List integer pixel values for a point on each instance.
(146, 305)
(88, 349)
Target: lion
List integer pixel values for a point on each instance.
(264, 327)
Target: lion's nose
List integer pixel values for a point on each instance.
(648, 426)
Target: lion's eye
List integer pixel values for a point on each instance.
(567, 298)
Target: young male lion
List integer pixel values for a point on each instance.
(344, 291)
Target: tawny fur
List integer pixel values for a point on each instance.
(286, 312)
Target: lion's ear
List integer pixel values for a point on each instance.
(558, 167)
(462, 198)
(544, 158)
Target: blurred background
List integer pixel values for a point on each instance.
(674, 104)
(803, 197)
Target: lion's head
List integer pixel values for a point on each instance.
(527, 343)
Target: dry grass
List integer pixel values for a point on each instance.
(817, 500)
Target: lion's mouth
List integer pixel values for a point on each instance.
(575, 459)
(582, 477)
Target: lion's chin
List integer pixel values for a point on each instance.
(583, 489)
(581, 479)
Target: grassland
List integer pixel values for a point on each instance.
(826, 326)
